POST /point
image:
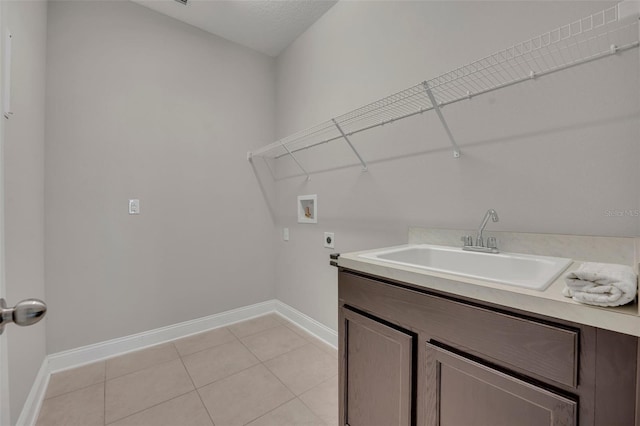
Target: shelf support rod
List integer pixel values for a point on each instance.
(364, 165)
(436, 108)
(296, 160)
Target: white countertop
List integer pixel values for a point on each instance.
(551, 302)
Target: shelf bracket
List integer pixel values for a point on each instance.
(296, 160)
(364, 165)
(436, 108)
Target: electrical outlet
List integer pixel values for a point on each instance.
(329, 240)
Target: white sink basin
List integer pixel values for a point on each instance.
(521, 270)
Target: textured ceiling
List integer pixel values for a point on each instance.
(264, 25)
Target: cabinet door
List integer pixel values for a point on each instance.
(376, 372)
(464, 392)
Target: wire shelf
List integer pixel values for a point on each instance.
(585, 40)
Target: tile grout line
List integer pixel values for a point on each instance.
(262, 363)
(239, 340)
(151, 406)
(278, 379)
(225, 377)
(276, 356)
(195, 388)
(311, 409)
(273, 409)
(139, 369)
(147, 408)
(307, 336)
(276, 376)
(230, 375)
(205, 408)
(75, 390)
(244, 369)
(286, 402)
(142, 369)
(308, 344)
(253, 334)
(208, 347)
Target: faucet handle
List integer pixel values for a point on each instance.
(467, 240)
(492, 243)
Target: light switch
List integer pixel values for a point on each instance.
(285, 234)
(134, 206)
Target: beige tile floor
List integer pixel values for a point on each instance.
(261, 372)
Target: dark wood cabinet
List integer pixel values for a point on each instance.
(378, 372)
(411, 356)
(465, 392)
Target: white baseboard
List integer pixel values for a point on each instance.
(31, 408)
(310, 325)
(87, 354)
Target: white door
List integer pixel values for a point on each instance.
(29, 311)
(4, 362)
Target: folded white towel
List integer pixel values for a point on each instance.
(601, 284)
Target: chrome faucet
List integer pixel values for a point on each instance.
(491, 241)
(491, 213)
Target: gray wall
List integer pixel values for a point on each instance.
(551, 155)
(24, 189)
(142, 106)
